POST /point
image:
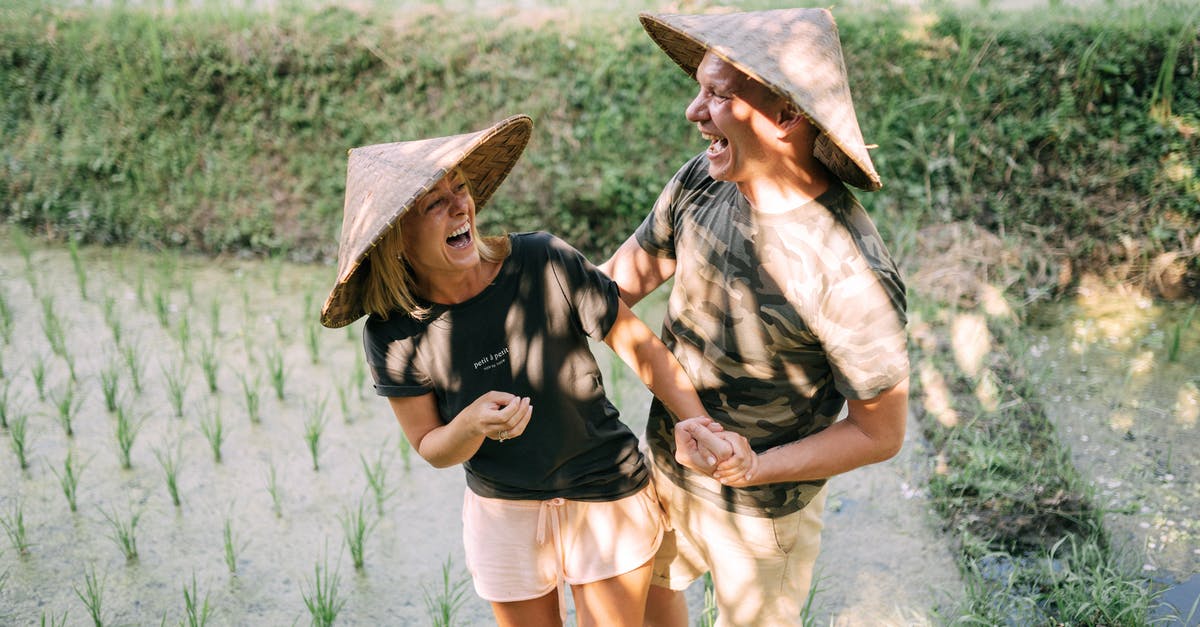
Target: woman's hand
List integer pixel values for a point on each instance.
(497, 416)
(697, 445)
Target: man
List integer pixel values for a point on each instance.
(786, 309)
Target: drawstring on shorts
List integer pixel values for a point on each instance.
(551, 509)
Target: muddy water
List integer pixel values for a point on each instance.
(1130, 415)
(262, 309)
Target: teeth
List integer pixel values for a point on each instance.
(711, 138)
(460, 230)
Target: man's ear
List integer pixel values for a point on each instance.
(790, 119)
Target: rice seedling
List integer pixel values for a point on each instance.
(405, 452)
(314, 425)
(109, 383)
(68, 406)
(443, 605)
(52, 326)
(231, 546)
(14, 528)
(281, 329)
(169, 460)
(321, 597)
(250, 397)
(276, 370)
(112, 319)
(6, 319)
(209, 363)
(356, 528)
(376, 473)
(214, 318)
(274, 490)
(80, 271)
(162, 307)
(314, 343)
(133, 362)
(38, 372)
(52, 621)
(69, 359)
(183, 333)
(359, 377)
(17, 434)
(708, 614)
(124, 532)
(344, 403)
(126, 431)
(6, 407)
(196, 613)
(69, 479)
(214, 431)
(92, 595)
(176, 380)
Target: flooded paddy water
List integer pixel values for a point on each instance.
(1120, 380)
(253, 544)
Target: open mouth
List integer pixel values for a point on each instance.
(716, 144)
(461, 237)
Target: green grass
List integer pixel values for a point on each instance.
(250, 397)
(176, 378)
(110, 380)
(276, 370)
(947, 93)
(1031, 544)
(68, 406)
(314, 426)
(6, 319)
(376, 474)
(209, 363)
(80, 271)
(230, 545)
(125, 432)
(275, 491)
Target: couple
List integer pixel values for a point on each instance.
(786, 307)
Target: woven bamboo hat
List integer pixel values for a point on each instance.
(794, 52)
(384, 180)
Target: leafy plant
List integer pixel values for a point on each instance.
(126, 431)
(92, 595)
(214, 431)
(68, 406)
(443, 604)
(314, 425)
(250, 397)
(276, 370)
(231, 546)
(196, 613)
(376, 473)
(123, 532)
(169, 460)
(17, 434)
(356, 528)
(321, 596)
(69, 479)
(109, 383)
(176, 379)
(14, 528)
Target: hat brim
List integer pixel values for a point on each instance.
(384, 180)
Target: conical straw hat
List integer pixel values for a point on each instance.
(796, 53)
(384, 180)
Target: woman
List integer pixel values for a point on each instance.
(481, 346)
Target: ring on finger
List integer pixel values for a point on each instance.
(502, 436)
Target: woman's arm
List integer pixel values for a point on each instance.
(448, 444)
(637, 345)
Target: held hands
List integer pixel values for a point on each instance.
(702, 445)
(498, 416)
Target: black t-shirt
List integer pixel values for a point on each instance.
(526, 334)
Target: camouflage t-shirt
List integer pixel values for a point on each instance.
(778, 319)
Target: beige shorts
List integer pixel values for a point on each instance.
(761, 567)
(520, 550)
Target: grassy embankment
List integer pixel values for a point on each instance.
(1073, 138)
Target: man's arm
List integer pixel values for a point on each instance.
(636, 271)
(873, 431)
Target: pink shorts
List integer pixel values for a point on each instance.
(521, 550)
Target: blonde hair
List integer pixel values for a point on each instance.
(389, 282)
